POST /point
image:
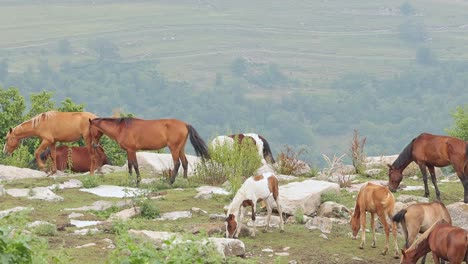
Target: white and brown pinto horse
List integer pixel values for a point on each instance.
(375, 199)
(254, 189)
(264, 150)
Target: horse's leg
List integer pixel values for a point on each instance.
(53, 155)
(372, 224)
(44, 144)
(280, 212)
(132, 159)
(434, 181)
(384, 222)
(422, 167)
(92, 154)
(269, 210)
(184, 161)
(464, 181)
(435, 258)
(240, 220)
(363, 228)
(175, 159)
(395, 240)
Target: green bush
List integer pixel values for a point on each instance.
(19, 158)
(45, 229)
(148, 208)
(229, 163)
(189, 250)
(90, 181)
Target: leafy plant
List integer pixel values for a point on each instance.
(229, 163)
(148, 208)
(45, 229)
(356, 151)
(90, 181)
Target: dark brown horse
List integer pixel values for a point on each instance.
(52, 127)
(260, 142)
(418, 218)
(76, 159)
(431, 151)
(134, 134)
(446, 242)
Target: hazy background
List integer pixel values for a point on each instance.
(300, 73)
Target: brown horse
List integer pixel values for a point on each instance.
(432, 151)
(76, 159)
(134, 134)
(260, 142)
(375, 199)
(418, 218)
(53, 127)
(446, 242)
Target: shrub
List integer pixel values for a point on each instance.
(19, 158)
(356, 151)
(299, 215)
(188, 250)
(90, 181)
(288, 161)
(229, 163)
(45, 229)
(148, 208)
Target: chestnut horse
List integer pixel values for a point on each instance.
(254, 189)
(376, 199)
(432, 151)
(260, 142)
(52, 127)
(134, 134)
(418, 218)
(76, 159)
(446, 242)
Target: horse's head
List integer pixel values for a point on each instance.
(11, 142)
(231, 226)
(394, 178)
(355, 223)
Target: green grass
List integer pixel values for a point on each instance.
(338, 248)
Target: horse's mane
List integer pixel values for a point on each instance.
(424, 235)
(119, 120)
(36, 120)
(404, 157)
(266, 147)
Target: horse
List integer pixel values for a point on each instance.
(418, 218)
(254, 189)
(431, 151)
(134, 134)
(447, 242)
(375, 199)
(52, 127)
(76, 159)
(260, 142)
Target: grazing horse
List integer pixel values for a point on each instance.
(254, 189)
(446, 242)
(375, 199)
(431, 151)
(52, 127)
(264, 150)
(418, 218)
(76, 159)
(134, 134)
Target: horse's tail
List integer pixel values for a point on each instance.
(267, 150)
(398, 217)
(201, 149)
(466, 159)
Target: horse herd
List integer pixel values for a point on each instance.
(445, 241)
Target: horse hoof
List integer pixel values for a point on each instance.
(282, 231)
(373, 246)
(361, 247)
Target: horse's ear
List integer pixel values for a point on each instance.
(389, 166)
(89, 120)
(11, 130)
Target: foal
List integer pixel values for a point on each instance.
(253, 190)
(375, 199)
(446, 242)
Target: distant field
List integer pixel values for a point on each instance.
(312, 41)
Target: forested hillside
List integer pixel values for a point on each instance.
(301, 74)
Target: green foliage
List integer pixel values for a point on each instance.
(148, 208)
(407, 9)
(105, 49)
(45, 229)
(105, 214)
(21, 158)
(117, 156)
(90, 181)
(69, 106)
(425, 56)
(229, 163)
(64, 47)
(12, 105)
(412, 31)
(299, 215)
(40, 103)
(189, 250)
(460, 126)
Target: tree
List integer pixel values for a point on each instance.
(69, 106)
(425, 56)
(40, 103)
(239, 67)
(64, 47)
(105, 49)
(407, 9)
(412, 31)
(460, 128)
(12, 105)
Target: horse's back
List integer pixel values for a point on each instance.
(374, 197)
(424, 215)
(64, 126)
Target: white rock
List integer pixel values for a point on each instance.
(206, 192)
(13, 210)
(83, 223)
(114, 191)
(175, 215)
(9, 173)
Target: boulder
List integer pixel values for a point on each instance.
(206, 192)
(332, 209)
(305, 195)
(73, 183)
(228, 247)
(160, 162)
(261, 221)
(37, 193)
(114, 191)
(459, 213)
(324, 224)
(405, 198)
(125, 214)
(175, 215)
(13, 210)
(9, 173)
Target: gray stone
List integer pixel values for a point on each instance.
(45, 194)
(228, 247)
(9, 173)
(125, 214)
(86, 231)
(86, 245)
(96, 206)
(206, 192)
(175, 215)
(73, 183)
(160, 162)
(13, 210)
(217, 216)
(332, 209)
(261, 221)
(83, 223)
(304, 195)
(404, 198)
(322, 223)
(75, 215)
(459, 214)
(114, 191)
